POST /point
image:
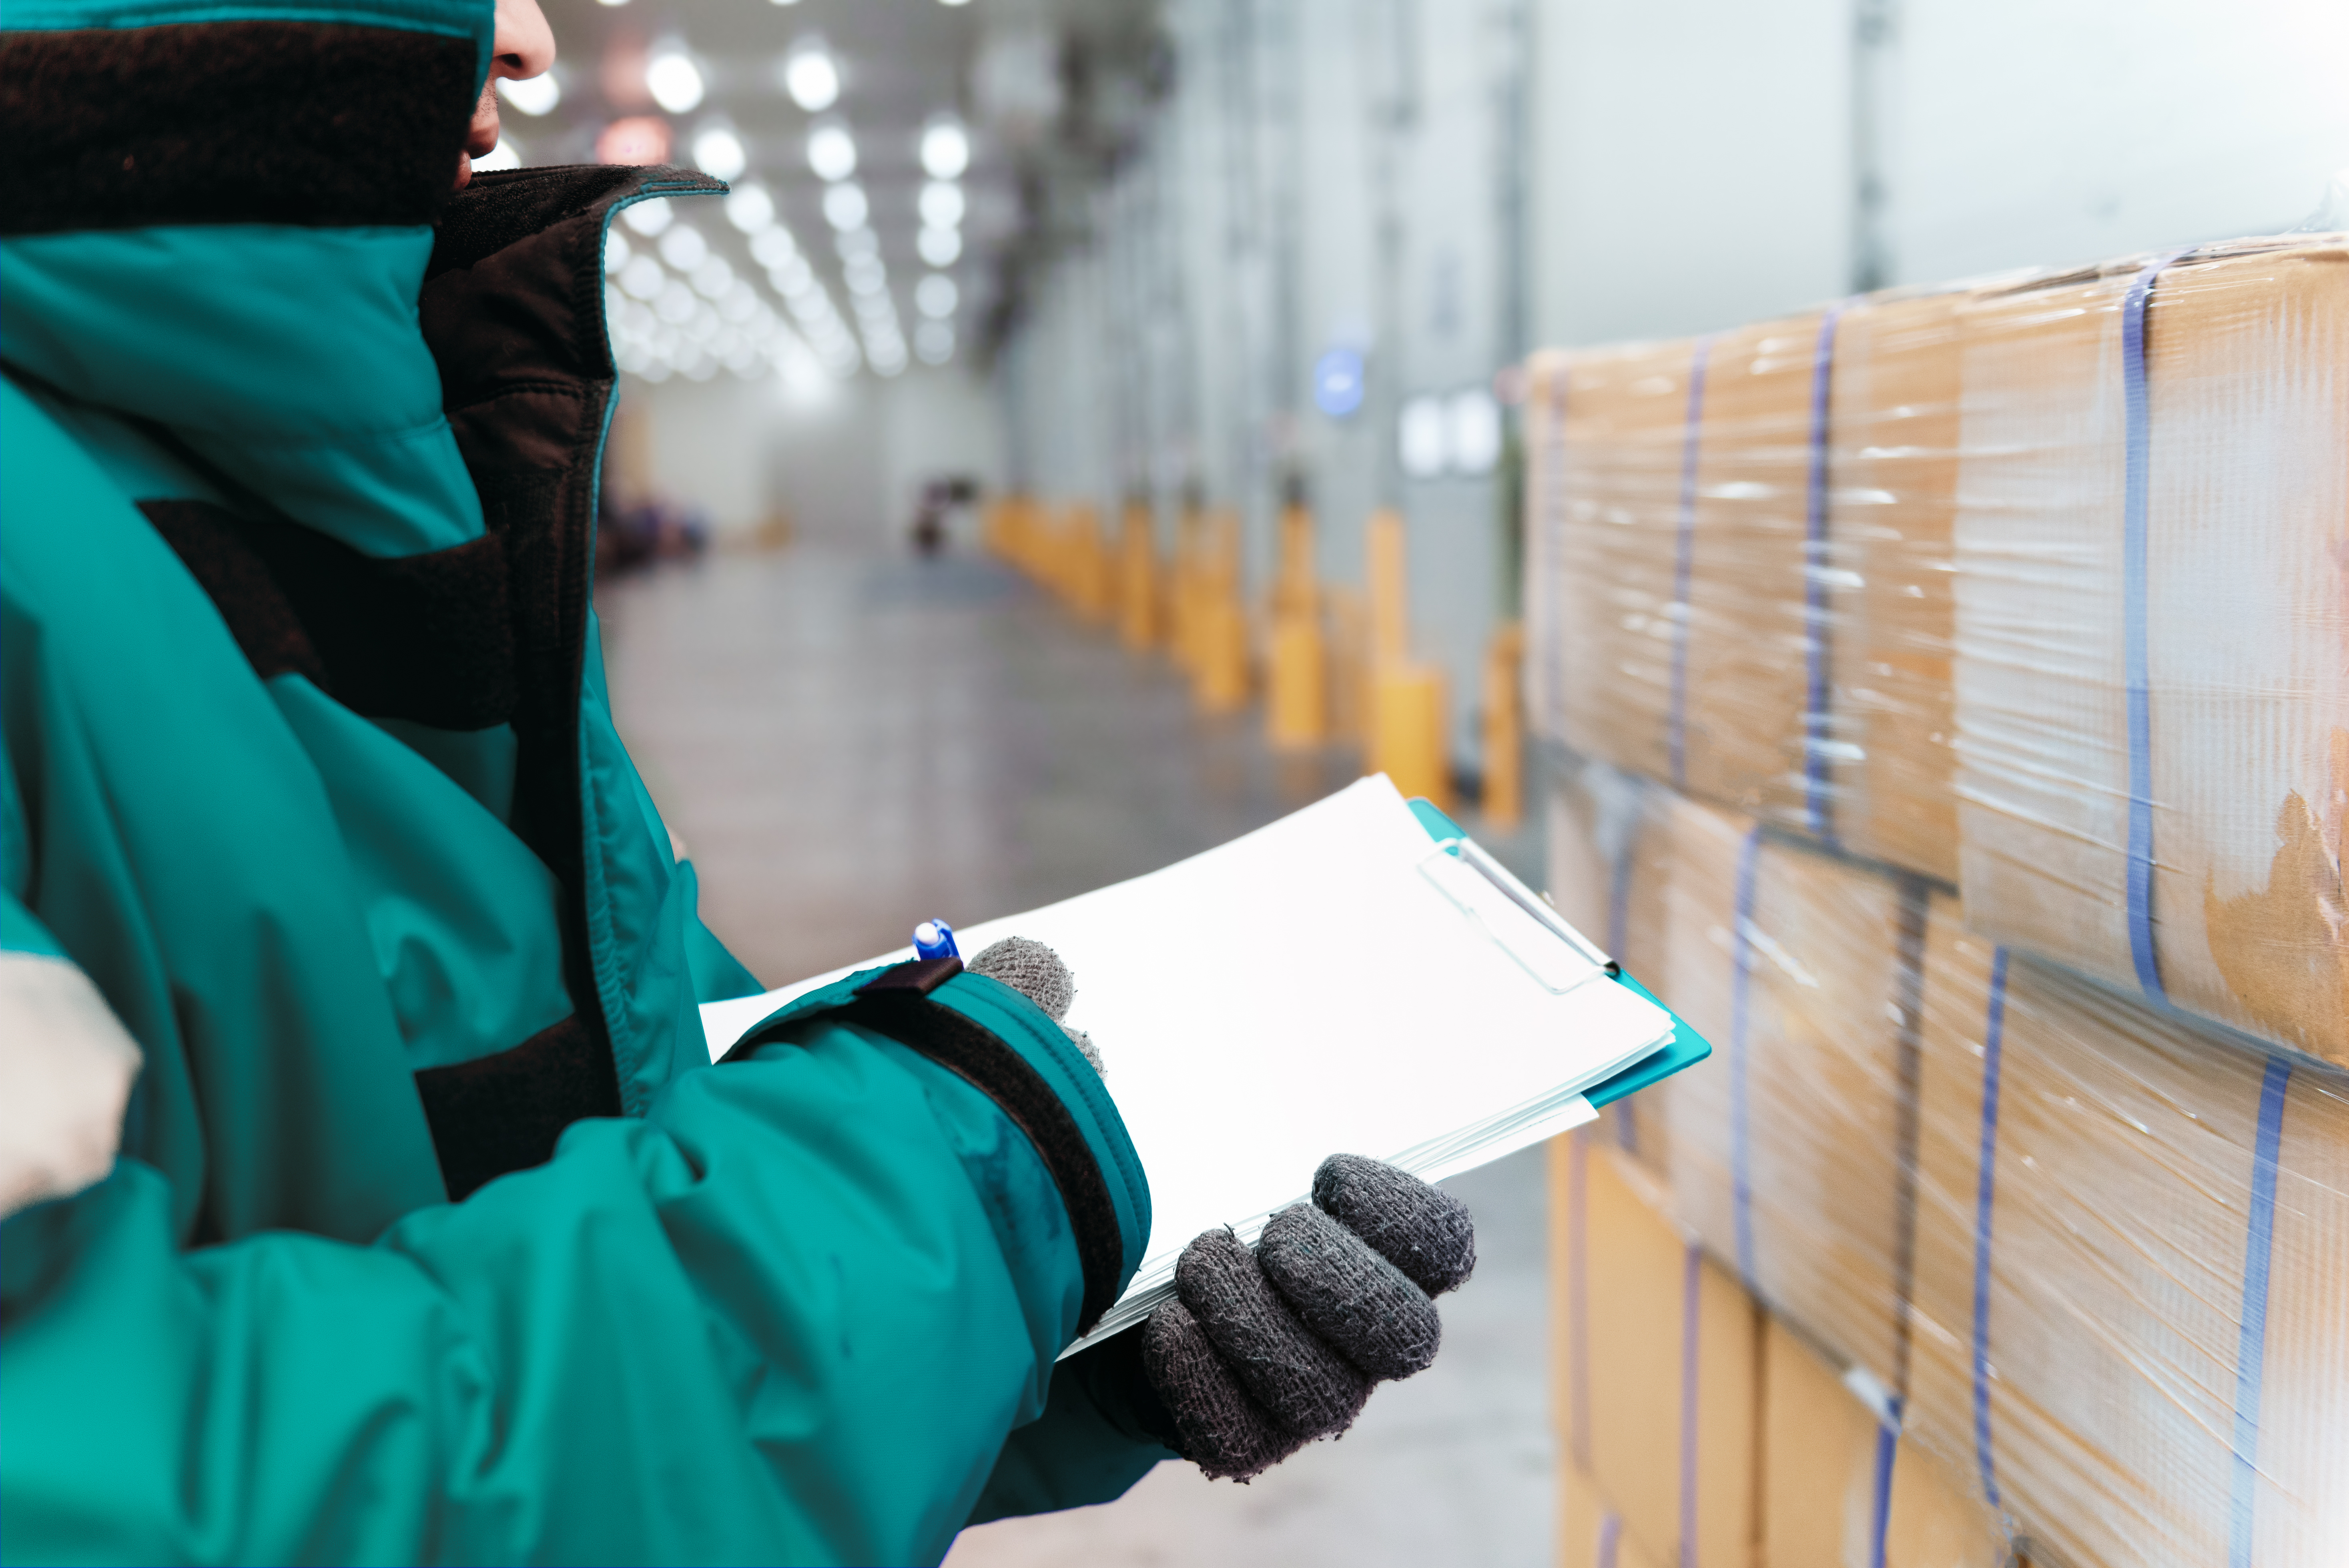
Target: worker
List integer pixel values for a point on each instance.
(368, 1190)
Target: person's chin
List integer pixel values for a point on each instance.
(464, 171)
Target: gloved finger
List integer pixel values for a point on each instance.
(1225, 1432)
(1421, 1229)
(1306, 1386)
(1031, 968)
(1344, 1292)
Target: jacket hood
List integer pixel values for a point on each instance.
(218, 221)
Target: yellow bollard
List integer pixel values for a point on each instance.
(1090, 586)
(1387, 569)
(1137, 579)
(1409, 736)
(1183, 595)
(1296, 709)
(1297, 701)
(1219, 678)
(1504, 747)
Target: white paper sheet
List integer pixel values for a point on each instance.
(1311, 988)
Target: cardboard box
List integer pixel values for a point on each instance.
(2160, 1374)
(1751, 628)
(1890, 504)
(1603, 524)
(1792, 1152)
(1607, 874)
(2196, 850)
(1590, 1530)
(1841, 1489)
(1659, 1361)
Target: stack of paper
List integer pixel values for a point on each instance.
(1337, 982)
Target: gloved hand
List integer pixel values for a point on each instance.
(1264, 1350)
(1036, 972)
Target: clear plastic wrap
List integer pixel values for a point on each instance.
(2153, 630)
(2038, 587)
(2097, 1255)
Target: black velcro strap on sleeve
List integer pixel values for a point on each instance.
(426, 637)
(979, 1056)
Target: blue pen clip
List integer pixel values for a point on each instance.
(934, 939)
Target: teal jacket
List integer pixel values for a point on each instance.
(434, 1236)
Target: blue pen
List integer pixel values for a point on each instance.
(934, 939)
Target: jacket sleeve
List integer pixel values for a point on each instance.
(792, 1314)
(718, 974)
(1102, 1429)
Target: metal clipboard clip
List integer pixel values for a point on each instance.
(1518, 921)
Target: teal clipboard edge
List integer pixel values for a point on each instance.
(1686, 1048)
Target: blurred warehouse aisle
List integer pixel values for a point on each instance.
(848, 742)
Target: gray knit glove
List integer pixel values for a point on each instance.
(1264, 1350)
(1036, 972)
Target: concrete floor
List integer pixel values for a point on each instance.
(849, 743)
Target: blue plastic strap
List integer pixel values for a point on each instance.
(2135, 653)
(1817, 810)
(1741, 1151)
(1577, 1291)
(2250, 1354)
(1692, 1298)
(1985, 1191)
(1887, 1451)
(1684, 564)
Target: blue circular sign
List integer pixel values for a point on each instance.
(1338, 382)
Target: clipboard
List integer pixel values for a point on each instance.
(1685, 1048)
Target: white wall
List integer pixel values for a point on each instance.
(844, 460)
(2055, 131)
(1692, 160)
(1689, 163)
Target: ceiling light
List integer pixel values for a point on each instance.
(832, 152)
(674, 80)
(810, 78)
(675, 304)
(683, 247)
(954, 2)
(770, 246)
(639, 138)
(506, 155)
(749, 209)
(643, 277)
(934, 341)
(945, 149)
(647, 218)
(844, 206)
(935, 296)
(718, 152)
(939, 247)
(864, 274)
(857, 243)
(616, 250)
(713, 277)
(611, 2)
(941, 204)
(533, 96)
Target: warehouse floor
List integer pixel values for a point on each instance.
(848, 743)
